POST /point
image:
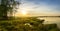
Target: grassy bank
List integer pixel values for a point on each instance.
(26, 24)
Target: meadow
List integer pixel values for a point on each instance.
(26, 24)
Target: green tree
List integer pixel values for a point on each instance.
(7, 6)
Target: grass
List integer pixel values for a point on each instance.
(19, 25)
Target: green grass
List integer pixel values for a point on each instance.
(19, 25)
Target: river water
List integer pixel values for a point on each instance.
(51, 20)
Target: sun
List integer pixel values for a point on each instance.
(23, 12)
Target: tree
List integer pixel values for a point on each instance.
(7, 6)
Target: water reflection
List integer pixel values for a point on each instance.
(50, 20)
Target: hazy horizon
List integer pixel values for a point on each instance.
(39, 7)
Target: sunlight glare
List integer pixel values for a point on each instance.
(24, 12)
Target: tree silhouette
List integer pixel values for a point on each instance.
(7, 6)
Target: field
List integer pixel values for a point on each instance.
(26, 24)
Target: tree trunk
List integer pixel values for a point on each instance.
(5, 16)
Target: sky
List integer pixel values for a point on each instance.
(40, 7)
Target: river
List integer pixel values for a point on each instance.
(51, 20)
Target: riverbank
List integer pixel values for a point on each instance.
(27, 24)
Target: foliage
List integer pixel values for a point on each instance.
(33, 25)
(6, 7)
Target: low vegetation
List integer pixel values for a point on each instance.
(26, 24)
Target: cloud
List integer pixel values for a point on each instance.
(40, 8)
